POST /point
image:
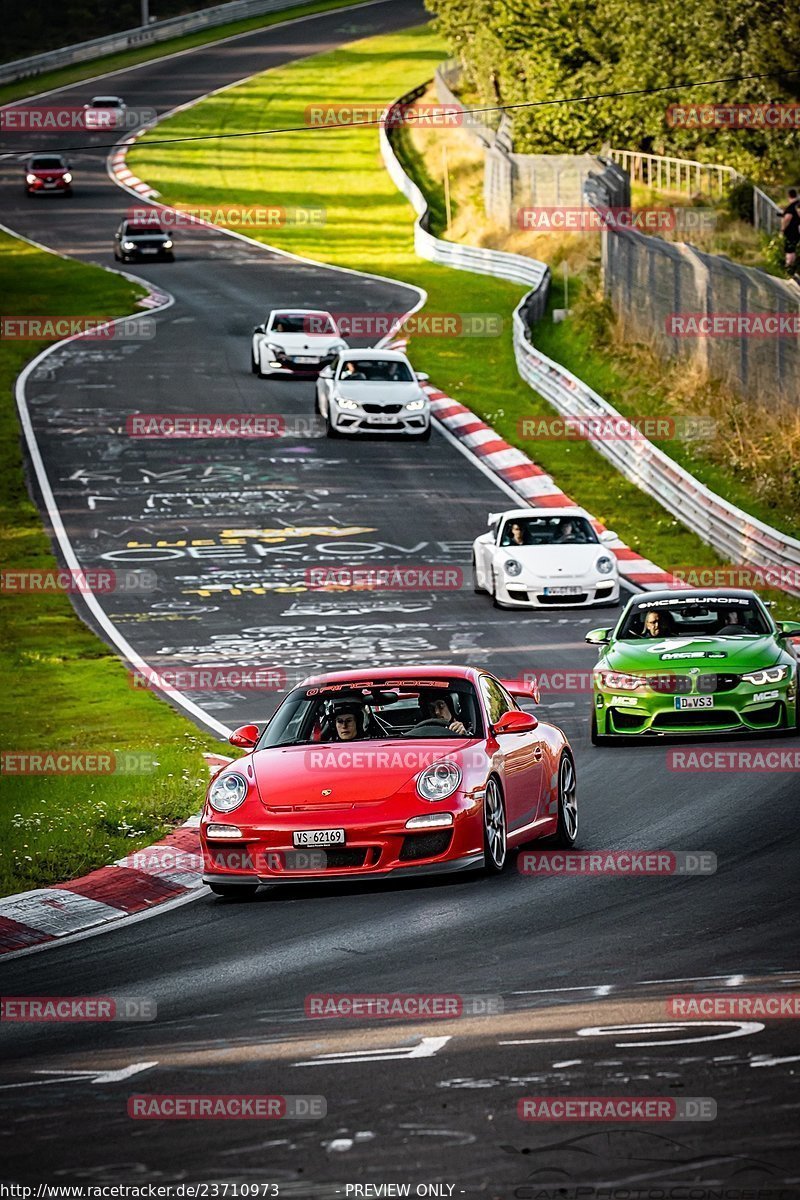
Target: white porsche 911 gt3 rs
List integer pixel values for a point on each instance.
(545, 558)
(295, 341)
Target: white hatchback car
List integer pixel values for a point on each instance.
(369, 390)
(105, 112)
(295, 341)
(544, 558)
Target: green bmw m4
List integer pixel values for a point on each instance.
(695, 662)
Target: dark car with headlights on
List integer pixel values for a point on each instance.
(140, 240)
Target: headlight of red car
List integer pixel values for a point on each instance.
(227, 792)
(438, 781)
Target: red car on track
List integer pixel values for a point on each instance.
(48, 173)
(387, 772)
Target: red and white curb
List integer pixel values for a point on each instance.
(169, 870)
(123, 174)
(532, 484)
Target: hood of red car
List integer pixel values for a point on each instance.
(341, 774)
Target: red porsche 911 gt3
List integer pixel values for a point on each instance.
(387, 772)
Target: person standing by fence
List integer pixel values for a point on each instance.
(790, 228)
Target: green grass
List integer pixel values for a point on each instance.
(49, 80)
(369, 227)
(63, 689)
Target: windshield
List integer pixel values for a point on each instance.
(375, 370)
(106, 102)
(386, 711)
(700, 617)
(47, 164)
(309, 324)
(149, 228)
(547, 531)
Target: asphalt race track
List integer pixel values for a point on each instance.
(583, 965)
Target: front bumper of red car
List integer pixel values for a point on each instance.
(373, 847)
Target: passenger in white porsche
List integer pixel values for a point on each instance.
(515, 535)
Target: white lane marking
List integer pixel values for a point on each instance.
(568, 1062)
(75, 1076)
(782, 975)
(426, 1048)
(764, 1060)
(149, 62)
(734, 1029)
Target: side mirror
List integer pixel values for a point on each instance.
(245, 736)
(515, 722)
(598, 637)
(608, 535)
(326, 373)
(259, 329)
(788, 629)
(422, 376)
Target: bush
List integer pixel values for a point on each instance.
(739, 201)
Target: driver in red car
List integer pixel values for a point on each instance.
(438, 708)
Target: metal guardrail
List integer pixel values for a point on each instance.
(733, 533)
(145, 35)
(517, 268)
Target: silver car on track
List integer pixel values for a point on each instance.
(365, 391)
